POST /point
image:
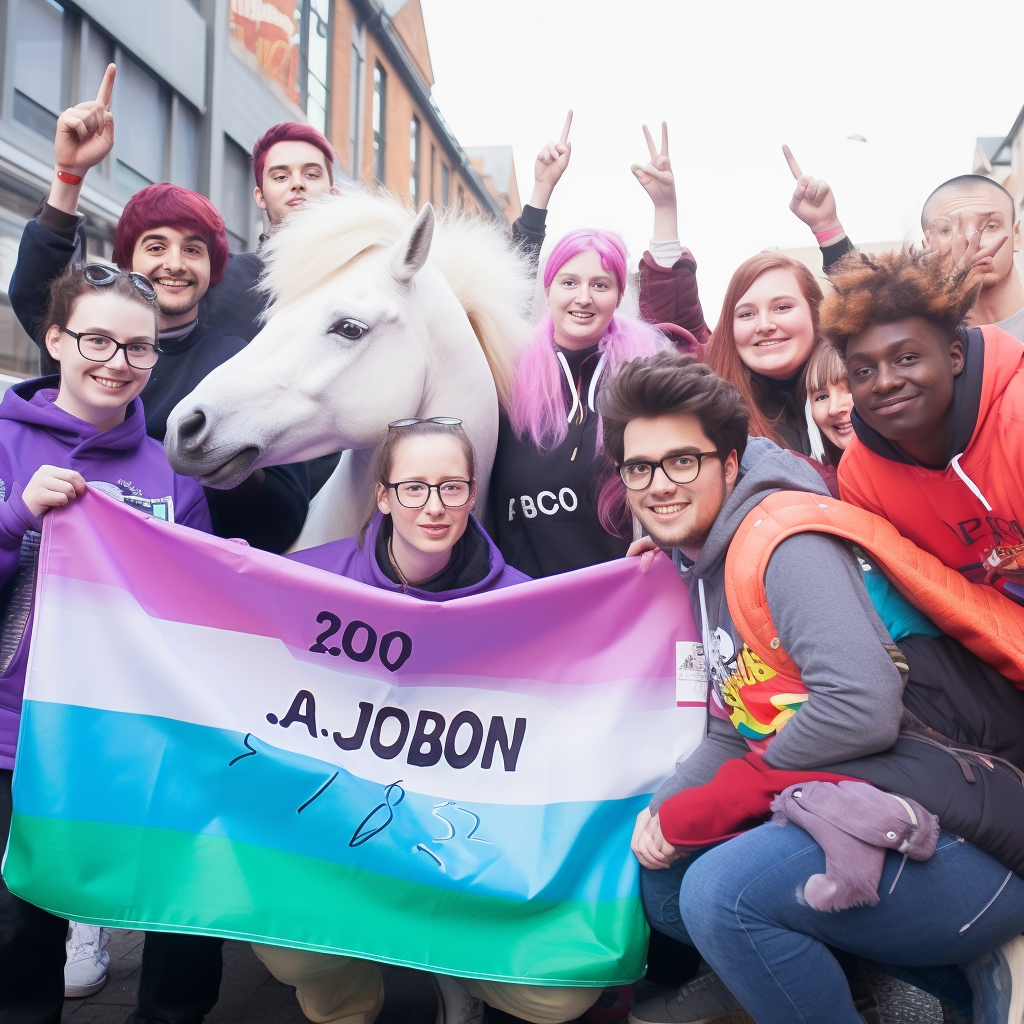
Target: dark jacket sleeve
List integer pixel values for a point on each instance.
(668, 295)
(48, 245)
(832, 254)
(528, 233)
(269, 516)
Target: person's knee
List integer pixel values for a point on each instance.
(541, 1004)
(707, 893)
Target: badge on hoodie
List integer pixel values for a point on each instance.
(159, 508)
(691, 674)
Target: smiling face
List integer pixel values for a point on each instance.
(434, 529)
(294, 173)
(678, 515)
(981, 208)
(178, 266)
(582, 300)
(99, 393)
(773, 326)
(830, 408)
(901, 376)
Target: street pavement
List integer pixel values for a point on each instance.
(250, 995)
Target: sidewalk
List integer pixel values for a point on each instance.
(249, 995)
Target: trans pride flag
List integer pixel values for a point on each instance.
(220, 741)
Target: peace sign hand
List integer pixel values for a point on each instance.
(550, 165)
(85, 133)
(656, 176)
(813, 201)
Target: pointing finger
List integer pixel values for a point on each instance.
(664, 138)
(107, 85)
(791, 160)
(565, 128)
(650, 143)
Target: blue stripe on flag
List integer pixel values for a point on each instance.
(92, 765)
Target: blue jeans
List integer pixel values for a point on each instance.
(741, 905)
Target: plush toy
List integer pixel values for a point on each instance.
(855, 824)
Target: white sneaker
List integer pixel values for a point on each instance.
(454, 1003)
(85, 972)
(997, 981)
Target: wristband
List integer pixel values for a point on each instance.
(69, 179)
(825, 236)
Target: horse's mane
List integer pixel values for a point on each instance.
(492, 282)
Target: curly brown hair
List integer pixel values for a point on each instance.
(891, 286)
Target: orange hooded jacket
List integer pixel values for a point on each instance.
(970, 515)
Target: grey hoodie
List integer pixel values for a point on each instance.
(825, 621)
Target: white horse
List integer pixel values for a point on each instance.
(363, 329)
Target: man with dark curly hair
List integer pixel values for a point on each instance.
(939, 412)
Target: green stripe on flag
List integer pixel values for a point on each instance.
(161, 880)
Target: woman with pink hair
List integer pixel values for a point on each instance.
(548, 469)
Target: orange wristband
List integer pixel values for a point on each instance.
(69, 179)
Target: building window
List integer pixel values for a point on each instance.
(141, 115)
(39, 65)
(355, 102)
(380, 89)
(313, 60)
(236, 195)
(414, 160)
(445, 184)
(184, 144)
(462, 199)
(433, 175)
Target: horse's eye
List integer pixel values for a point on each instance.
(351, 330)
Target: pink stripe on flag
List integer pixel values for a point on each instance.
(608, 611)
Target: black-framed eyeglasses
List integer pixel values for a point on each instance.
(100, 275)
(681, 468)
(445, 421)
(98, 348)
(416, 493)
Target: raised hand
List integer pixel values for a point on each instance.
(966, 250)
(656, 176)
(52, 487)
(85, 133)
(550, 165)
(813, 201)
(659, 183)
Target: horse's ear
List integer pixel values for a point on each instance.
(407, 256)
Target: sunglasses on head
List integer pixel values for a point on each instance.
(445, 421)
(100, 275)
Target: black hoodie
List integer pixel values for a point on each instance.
(544, 503)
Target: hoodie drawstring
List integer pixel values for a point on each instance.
(975, 490)
(563, 362)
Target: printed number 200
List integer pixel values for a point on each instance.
(368, 642)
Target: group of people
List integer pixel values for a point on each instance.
(834, 477)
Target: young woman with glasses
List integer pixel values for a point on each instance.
(421, 539)
(58, 434)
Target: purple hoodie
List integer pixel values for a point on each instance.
(122, 462)
(347, 558)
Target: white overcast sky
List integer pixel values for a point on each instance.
(919, 79)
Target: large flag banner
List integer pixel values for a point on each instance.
(221, 741)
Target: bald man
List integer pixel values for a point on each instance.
(972, 206)
(970, 218)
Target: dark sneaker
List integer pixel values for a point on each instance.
(705, 1000)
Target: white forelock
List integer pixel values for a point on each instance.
(491, 280)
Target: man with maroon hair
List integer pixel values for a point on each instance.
(292, 164)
